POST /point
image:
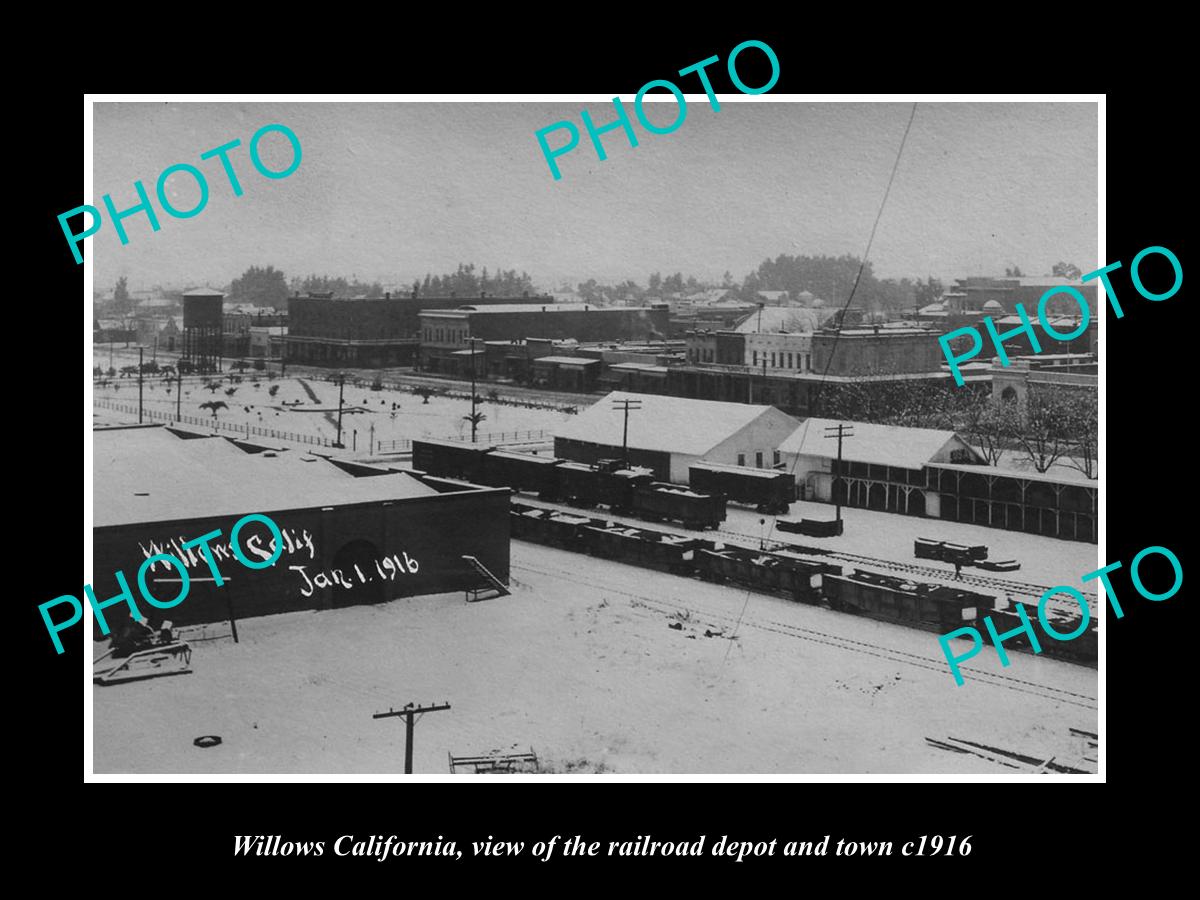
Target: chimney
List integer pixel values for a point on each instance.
(387, 295)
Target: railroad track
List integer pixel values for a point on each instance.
(999, 585)
(852, 645)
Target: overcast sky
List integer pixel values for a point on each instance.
(389, 192)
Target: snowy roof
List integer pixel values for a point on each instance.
(203, 292)
(791, 319)
(884, 445)
(154, 475)
(666, 424)
(565, 360)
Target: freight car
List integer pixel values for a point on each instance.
(659, 501)
(931, 606)
(450, 459)
(522, 472)
(767, 490)
(626, 491)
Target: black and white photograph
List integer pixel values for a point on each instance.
(683, 435)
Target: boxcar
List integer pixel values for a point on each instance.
(586, 485)
(667, 501)
(767, 490)
(450, 459)
(522, 472)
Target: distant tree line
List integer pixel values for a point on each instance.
(465, 282)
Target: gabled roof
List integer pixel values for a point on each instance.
(666, 424)
(883, 445)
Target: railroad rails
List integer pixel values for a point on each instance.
(852, 645)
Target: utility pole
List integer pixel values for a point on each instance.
(140, 349)
(341, 393)
(839, 431)
(178, 394)
(626, 405)
(474, 422)
(408, 712)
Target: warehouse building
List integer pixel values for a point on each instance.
(352, 533)
(883, 466)
(927, 472)
(668, 434)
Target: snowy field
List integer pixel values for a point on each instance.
(582, 664)
(308, 406)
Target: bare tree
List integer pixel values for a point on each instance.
(1045, 434)
(1085, 428)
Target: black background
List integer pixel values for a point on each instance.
(181, 835)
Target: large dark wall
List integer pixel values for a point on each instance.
(434, 531)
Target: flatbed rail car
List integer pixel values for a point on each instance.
(450, 459)
(522, 472)
(925, 548)
(769, 491)
(773, 573)
(921, 605)
(892, 599)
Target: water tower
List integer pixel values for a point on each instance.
(202, 327)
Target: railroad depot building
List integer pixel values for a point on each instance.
(933, 473)
(668, 434)
(352, 533)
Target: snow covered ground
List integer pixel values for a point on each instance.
(582, 664)
(308, 406)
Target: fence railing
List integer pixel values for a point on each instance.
(249, 430)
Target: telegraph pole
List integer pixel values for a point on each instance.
(140, 350)
(626, 405)
(839, 431)
(408, 713)
(474, 422)
(178, 394)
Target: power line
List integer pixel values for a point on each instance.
(837, 334)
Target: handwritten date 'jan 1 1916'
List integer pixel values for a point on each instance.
(387, 568)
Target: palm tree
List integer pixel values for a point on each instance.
(424, 393)
(229, 392)
(213, 386)
(214, 405)
(474, 418)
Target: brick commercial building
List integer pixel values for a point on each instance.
(871, 351)
(323, 331)
(446, 334)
